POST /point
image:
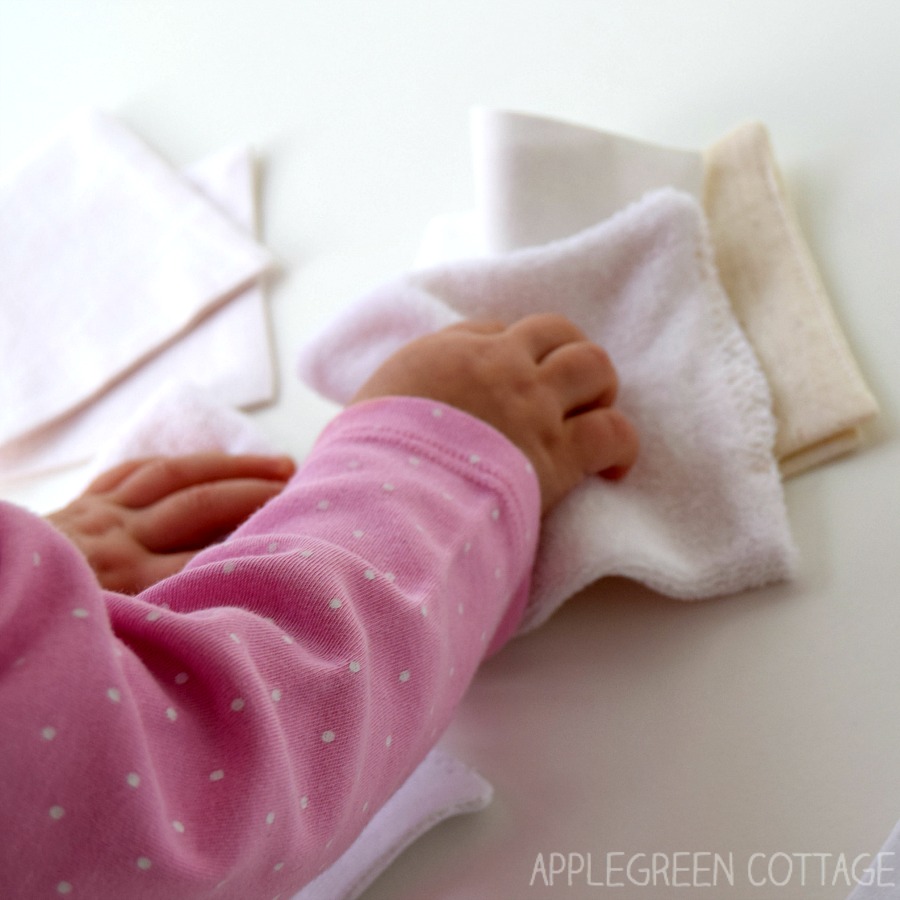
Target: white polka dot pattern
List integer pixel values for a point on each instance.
(200, 694)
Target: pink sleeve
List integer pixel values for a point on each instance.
(229, 732)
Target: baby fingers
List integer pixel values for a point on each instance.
(156, 478)
(543, 333)
(604, 442)
(200, 515)
(582, 376)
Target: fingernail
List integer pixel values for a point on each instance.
(284, 466)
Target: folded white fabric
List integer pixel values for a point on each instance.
(702, 513)
(440, 787)
(541, 179)
(228, 352)
(108, 256)
(538, 179)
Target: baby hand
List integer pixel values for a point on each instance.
(144, 520)
(540, 382)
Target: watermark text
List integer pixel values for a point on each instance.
(701, 868)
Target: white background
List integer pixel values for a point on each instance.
(762, 723)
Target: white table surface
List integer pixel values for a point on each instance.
(629, 723)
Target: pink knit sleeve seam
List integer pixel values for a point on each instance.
(487, 475)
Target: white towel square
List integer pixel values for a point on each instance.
(702, 513)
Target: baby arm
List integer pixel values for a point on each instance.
(234, 726)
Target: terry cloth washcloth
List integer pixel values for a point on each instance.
(182, 419)
(140, 255)
(702, 512)
(540, 179)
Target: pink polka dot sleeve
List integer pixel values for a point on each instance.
(228, 732)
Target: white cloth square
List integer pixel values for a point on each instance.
(109, 256)
(702, 513)
(440, 787)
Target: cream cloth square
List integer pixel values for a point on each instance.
(820, 397)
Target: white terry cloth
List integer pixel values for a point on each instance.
(702, 512)
(108, 256)
(540, 179)
(183, 418)
(881, 880)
